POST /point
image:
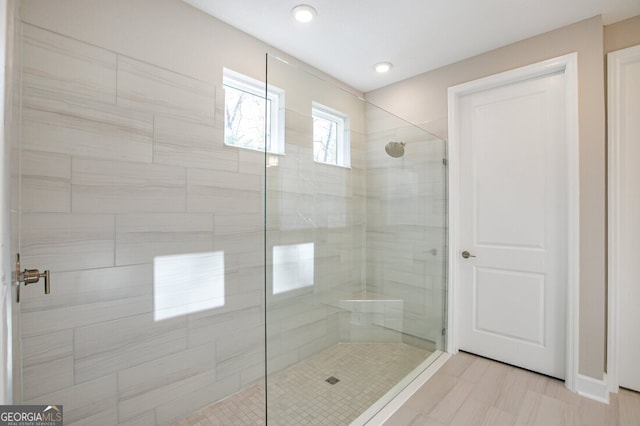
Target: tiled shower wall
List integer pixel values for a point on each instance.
(123, 161)
(406, 228)
(319, 204)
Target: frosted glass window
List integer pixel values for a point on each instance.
(292, 267)
(187, 283)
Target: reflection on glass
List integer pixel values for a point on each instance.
(187, 283)
(292, 267)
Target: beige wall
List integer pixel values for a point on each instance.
(423, 100)
(622, 34)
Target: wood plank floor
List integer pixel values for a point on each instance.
(469, 390)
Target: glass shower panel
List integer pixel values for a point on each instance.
(152, 229)
(406, 223)
(355, 254)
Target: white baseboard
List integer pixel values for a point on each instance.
(595, 389)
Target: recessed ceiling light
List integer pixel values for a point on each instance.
(383, 67)
(304, 13)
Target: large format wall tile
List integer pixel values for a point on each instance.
(48, 363)
(62, 242)
(331, 338)
(104, 418)
(67, 66)
(46, 182)
(110, 186)
(223, 192)
(240, 363)
(299, 336)
(358, 151)
(189, 144)
(299, 128)
(71, 125)
(244, 280)
(91, 286)
(163, 394)
(108, 347)
(141, 237)
(252, 162)
(242, 250)
(146, 419)
(80, 298)
(184, 403)
(149, 88)
(144, 378)
(84, 401)
(231, 345)
(207, 327)
(171, 394)
(238, 223)
(50, 320)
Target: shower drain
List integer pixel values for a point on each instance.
(332, 380)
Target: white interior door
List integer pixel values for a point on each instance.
(624, 127)
(513, 219)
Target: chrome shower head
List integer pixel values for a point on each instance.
(395, 149)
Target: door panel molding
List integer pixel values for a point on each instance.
(568, 66)
(617, 190)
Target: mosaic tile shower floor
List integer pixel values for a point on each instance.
(300, 395)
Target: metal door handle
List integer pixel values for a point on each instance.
(465, 255)
(31, 276)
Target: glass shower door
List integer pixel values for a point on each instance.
(355, 254)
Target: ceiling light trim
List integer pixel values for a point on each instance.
(304, 13)
(383, 67)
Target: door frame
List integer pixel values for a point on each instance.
(568, 65)
(615, 62)
(6, 280)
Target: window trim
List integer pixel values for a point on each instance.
(276, 96)
(343, 134)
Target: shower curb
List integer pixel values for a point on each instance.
(382, 410)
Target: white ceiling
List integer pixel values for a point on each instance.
(349, 36)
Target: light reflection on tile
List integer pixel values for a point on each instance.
(187, 283)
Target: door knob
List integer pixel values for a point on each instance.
(31, 276)
(465, 255)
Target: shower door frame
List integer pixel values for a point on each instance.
(568, 65)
